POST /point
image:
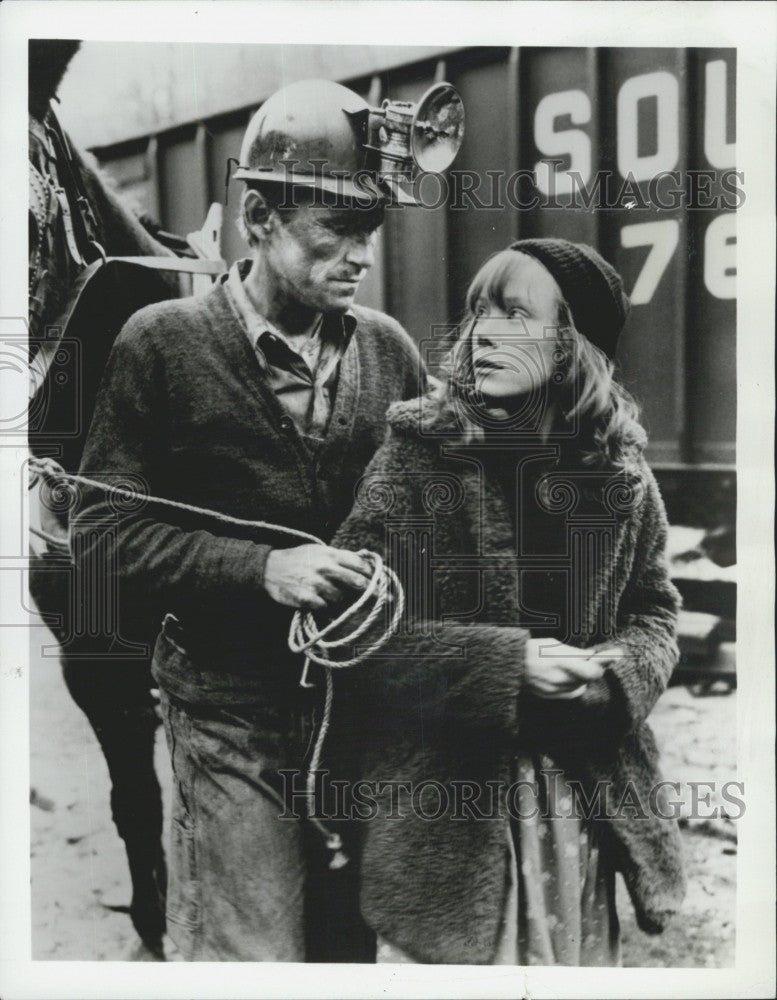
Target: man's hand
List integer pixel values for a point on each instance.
(314, 576)
(555, 670)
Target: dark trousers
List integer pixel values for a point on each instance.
(116, 699)
(115, 696)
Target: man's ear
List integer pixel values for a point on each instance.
(258, 216)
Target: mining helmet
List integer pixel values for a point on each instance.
(319, 134)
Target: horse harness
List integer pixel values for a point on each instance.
(58, 208)
(65, 252)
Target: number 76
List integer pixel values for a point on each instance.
(662, 236)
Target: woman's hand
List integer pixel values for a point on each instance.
(555, 670)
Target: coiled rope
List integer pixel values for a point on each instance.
(305, 635)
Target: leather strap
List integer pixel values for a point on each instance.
(67, 225)
(70, 183)
(186, 265)
(48, 348)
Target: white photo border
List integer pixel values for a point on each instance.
(752, 29)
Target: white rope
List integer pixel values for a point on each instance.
(51, 540)
(305, 635)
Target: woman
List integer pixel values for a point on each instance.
(506, 720)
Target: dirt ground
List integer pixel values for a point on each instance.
(79, 868)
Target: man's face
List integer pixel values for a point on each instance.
(319, 254)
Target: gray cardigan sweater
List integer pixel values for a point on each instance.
(185, 413)
(446, 701)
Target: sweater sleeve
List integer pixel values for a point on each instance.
(645, 630)
(160, 563)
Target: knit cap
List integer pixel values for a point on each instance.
(591, 287)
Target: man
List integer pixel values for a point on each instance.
(263, 400)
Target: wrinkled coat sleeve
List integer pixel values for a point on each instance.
(451, 671)
(159, 563)
(646, 631)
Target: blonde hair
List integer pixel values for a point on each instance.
(609, 433)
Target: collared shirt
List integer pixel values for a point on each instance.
(304, 379)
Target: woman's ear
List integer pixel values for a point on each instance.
(257, 216)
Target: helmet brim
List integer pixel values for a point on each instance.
(387, 189)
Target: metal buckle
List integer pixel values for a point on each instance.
(173, 631)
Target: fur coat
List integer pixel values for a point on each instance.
(444, 701)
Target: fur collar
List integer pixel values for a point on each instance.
(431, 420)
(424, 415)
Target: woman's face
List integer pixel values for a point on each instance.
(515, 346)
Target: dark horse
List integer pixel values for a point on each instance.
(80, 295)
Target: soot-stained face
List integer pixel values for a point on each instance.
(319, 255)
